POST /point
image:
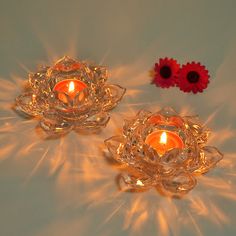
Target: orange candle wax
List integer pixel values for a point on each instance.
(163, 141)
(70, 87)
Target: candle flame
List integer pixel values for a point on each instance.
(71, 87)
(139, 183)
(163, 138)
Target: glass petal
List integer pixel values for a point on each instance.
(30, 104)
(175, 158)
(142, 114)
(113, 94)
(210, 156)
(115, 145)
(129, 182)
(93, 123)
(150, 154)
(171, 157)
(100, 73)
(53, 125)
(200, 132)
(178, 184)
(37, 80)
(168, 112)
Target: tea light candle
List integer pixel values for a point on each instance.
(70, 87)
(164, 140)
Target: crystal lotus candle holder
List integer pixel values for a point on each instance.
(70, 95)
(162, 150)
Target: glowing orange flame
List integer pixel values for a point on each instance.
(139, 183)
(71, 88)
(163, 138)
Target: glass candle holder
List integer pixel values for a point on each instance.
(162, 150)
(70, 95)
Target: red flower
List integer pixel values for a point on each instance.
(193, 77)
(166, 73)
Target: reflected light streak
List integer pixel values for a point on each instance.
(37, 165)
(221, 136)
(113, 213)
(196, 226)
(163, 223)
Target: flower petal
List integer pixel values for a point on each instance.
(193, 77)
(166, 72)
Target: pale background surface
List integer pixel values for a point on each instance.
(65, 187)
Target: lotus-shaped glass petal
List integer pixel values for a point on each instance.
(162, 150)
(70, 95)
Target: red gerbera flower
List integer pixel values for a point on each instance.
(166, 72)
(193, 77)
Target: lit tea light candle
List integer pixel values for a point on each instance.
(70, 87)
(163, 141)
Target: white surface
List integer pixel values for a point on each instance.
(65, 187)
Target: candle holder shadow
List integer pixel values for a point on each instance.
(70, 95)
(162, 150)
